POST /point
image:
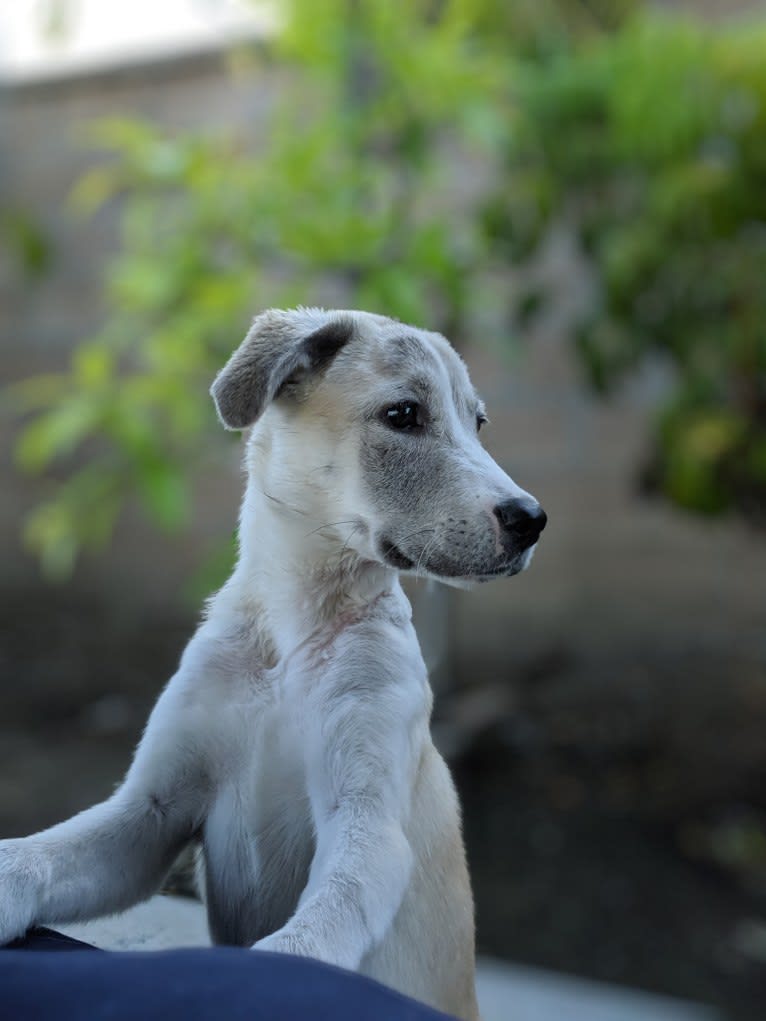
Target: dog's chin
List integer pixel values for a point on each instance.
(467, 578)
(514, 565)
(504, 571)
(454, 574)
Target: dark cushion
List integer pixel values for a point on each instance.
(218, 984)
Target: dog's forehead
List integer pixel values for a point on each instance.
(394, 352)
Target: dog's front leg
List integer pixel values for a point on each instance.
(117, 853)
(353, 894)
(100, 861)
(369, 724)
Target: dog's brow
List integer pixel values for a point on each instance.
(421, 386)
(404, 351)
(464, 397)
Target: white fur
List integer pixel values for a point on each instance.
(293, 741)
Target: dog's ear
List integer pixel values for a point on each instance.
(281, 347)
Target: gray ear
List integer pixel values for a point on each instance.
(280, 346)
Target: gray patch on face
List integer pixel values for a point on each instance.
(427, 495)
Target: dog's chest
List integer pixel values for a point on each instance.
(259, 835)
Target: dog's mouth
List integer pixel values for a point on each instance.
(504, 571)
(393, 556)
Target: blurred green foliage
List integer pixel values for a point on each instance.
(650, 144)
(25, 245)
(411, 153)
(343, 196)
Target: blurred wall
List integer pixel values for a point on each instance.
(630, 606)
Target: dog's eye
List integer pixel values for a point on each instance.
(481, 419)
(405, 416)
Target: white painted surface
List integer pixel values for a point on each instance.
(161, 923)
(91, 35)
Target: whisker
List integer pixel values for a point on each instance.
(403, 538)
(283, 503)
(332, 524)
(430, 542)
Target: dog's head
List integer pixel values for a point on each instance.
(367, 430)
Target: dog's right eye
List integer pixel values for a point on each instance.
(405, 416)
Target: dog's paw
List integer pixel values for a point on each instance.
(303, 942)
(284, 942)
(19, 884)
(290, 940)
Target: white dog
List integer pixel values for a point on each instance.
(293, 742)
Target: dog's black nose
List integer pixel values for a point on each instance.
(523, 519)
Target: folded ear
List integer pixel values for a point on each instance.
(280, 347)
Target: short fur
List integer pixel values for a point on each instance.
(293, 741)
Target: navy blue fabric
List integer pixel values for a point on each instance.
(217, 984)
(47, 939)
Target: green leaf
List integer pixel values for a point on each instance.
(94, 188)
(164, 493)
(57, 433)
(27, 242)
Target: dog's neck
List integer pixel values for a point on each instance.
(306, 580)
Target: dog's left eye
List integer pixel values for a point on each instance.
(405, 416)
(481, 419)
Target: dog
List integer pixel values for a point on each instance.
(293, 742)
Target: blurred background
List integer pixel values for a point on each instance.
(574, 191)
